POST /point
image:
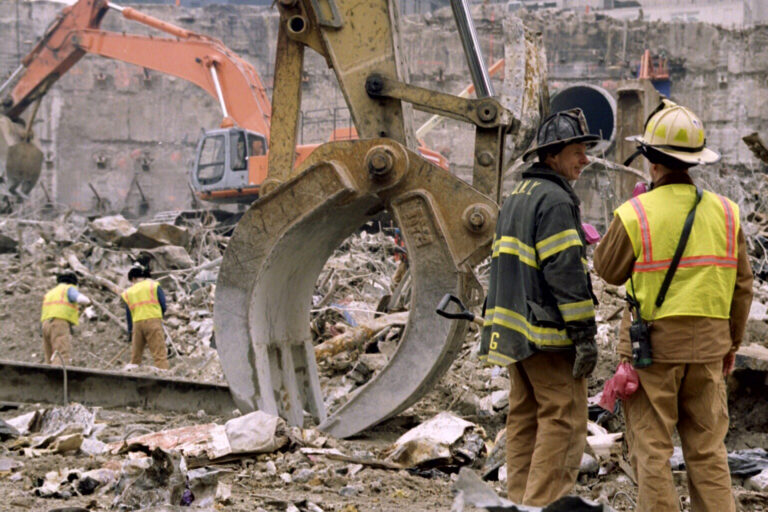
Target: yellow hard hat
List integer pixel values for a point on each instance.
(677, 132)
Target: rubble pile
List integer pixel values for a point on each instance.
(134, 459)
(183, 257)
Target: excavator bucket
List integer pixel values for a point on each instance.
(22, 156)
(273, 260)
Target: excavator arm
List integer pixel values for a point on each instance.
(265, 285)
(199, 59)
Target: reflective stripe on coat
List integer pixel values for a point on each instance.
(142, 300)
(704, 282)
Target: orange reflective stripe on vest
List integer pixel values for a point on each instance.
(730, 223)
(142, 300)
(704, 282)
(57, 305)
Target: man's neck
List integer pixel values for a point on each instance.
(673, 178)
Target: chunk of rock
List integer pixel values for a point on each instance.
(112, 228)
(758, 482)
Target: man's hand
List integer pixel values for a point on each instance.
(728, 361)
(586, 352)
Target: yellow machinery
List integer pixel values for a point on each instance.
(267, 277)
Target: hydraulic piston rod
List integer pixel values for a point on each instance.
(216, 84)
(480, 77)
(11, 78)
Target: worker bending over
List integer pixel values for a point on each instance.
(696, 327)
(60, 312)
(144, 310)
(540, 316)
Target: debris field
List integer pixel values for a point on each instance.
(79, 456)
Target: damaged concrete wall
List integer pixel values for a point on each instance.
(111, 124)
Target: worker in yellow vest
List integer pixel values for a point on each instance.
(60, 312)
(695, 327)
(144, 309)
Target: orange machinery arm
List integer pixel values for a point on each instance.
(199, 59)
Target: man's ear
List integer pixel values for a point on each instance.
(655, 171)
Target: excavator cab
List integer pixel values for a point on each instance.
(230, 164)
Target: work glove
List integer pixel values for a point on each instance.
(586, 352)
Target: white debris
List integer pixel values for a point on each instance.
(432, 440)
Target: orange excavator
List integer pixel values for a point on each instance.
(231, 161)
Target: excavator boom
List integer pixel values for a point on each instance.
(75, 33)
(201, 60)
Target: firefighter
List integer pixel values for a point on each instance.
(540, 316)
(144, 310)
(60, 313)
(699, 325)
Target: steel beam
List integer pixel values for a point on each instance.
(28, 382)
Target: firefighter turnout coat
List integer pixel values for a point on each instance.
(540, 294)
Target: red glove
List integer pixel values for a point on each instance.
(623, 383)
(590, 233)
(641, 187)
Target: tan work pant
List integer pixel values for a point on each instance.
(691, 397)
(150, 333)
(546, 428)
(56, 338)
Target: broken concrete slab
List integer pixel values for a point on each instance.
(433, 441)
(151, 235)
(172, 257)
(7, 431)
(752, 357)
(112, 228)
(758, 482)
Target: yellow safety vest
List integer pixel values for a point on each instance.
(57, 305)
(142, 300)
(706, 276)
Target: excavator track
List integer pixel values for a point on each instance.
(278, 249)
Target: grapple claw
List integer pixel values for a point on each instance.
(267, 278)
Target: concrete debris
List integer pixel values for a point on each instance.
(151, 235)
(358, 315)
(757, 146)
(161, 483)
(758, 482)
(445, 440)
(256, 432)
(7, 431)
(172, 257)
(8, 244)
(112, 229)
(8, 466)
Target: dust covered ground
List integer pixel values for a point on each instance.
(360, 279)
